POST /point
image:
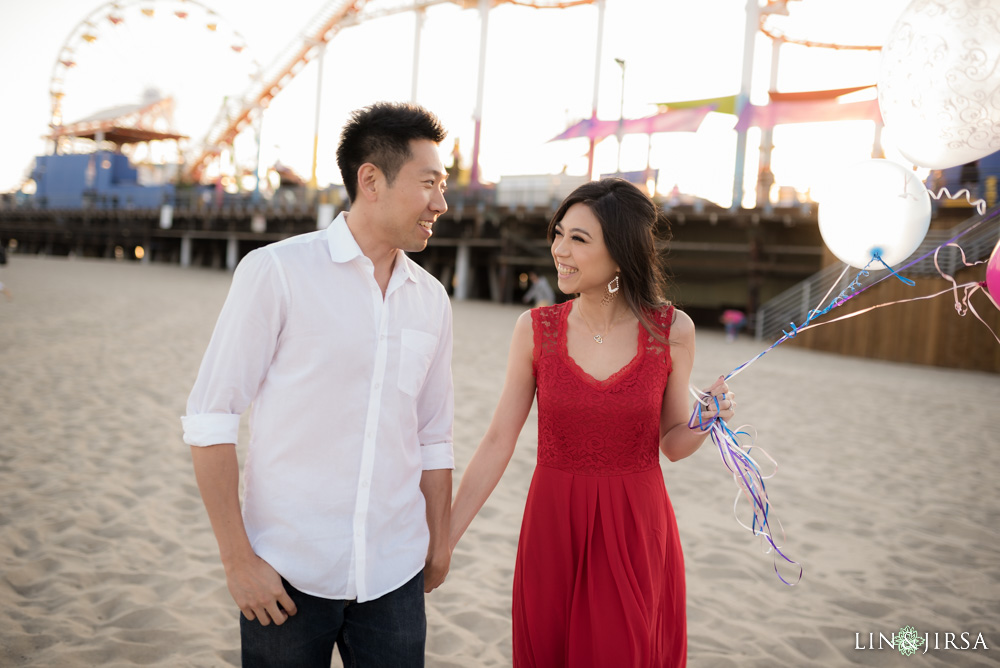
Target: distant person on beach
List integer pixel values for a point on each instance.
(599, 576)
(540, 291)
(342, 344)
(733, 320)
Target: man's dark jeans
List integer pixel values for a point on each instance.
(387, 632)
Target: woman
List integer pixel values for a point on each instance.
(599, 577)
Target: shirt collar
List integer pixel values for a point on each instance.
(344, 248)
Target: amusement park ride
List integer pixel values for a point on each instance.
(62, 178)
(199, 161)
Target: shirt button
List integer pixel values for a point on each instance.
(364, 484)
(378, 385)
(382, 338)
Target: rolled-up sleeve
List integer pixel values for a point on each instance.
(239, 353)
(436, 404)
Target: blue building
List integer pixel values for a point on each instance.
(102, 180)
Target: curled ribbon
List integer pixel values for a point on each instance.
(980, 204)
(855, 288)
(736, 456)
(748, 477)
(963, 305)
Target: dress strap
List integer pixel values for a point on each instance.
(546, 322)
(665, 318)
(662, 318)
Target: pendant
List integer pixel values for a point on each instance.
(597, 337)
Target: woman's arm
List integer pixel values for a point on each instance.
(677, 441)
(494, 451)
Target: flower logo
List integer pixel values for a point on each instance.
(908, 641)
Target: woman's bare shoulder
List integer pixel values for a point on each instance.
(682, 328)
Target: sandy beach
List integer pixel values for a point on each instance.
(886, 490)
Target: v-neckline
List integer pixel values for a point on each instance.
(579, 370)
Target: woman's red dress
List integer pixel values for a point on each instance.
(599, 578)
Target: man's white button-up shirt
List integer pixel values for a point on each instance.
(352, 399)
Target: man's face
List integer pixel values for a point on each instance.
(410, 206)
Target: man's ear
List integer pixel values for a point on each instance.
(369, 178)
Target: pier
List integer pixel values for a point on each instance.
(718, 258)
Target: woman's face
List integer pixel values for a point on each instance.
(581, 257)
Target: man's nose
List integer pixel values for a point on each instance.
(439, 204)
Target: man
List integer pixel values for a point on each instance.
(343, 346)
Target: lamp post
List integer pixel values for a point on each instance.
(621, 116)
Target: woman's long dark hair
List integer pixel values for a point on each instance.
(629, 221)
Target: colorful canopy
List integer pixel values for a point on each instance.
(686, 116)
(815, 111)
(680, 120)
(723, 105)
(804, 96)
(588, 127)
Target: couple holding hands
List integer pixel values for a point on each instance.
(342, 344)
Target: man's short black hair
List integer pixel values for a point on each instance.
(381, 134)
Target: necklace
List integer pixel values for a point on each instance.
(598, 337)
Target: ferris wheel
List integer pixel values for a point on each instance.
(101, 56)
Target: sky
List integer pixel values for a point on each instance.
(540, 78)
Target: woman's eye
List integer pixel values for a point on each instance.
(577, 238)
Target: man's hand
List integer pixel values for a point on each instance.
(256, 587)
(436, 569)
(435, 485)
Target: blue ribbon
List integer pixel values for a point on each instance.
(744, 469)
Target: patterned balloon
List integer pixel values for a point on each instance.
(939, 81)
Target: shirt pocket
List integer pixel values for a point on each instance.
(415, 356)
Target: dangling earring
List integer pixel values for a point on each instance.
(613, 286)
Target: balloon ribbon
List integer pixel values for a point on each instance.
(748, 477)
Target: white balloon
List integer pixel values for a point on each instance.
(876, 206)
(939, 81)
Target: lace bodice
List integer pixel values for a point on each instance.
(592, 427)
